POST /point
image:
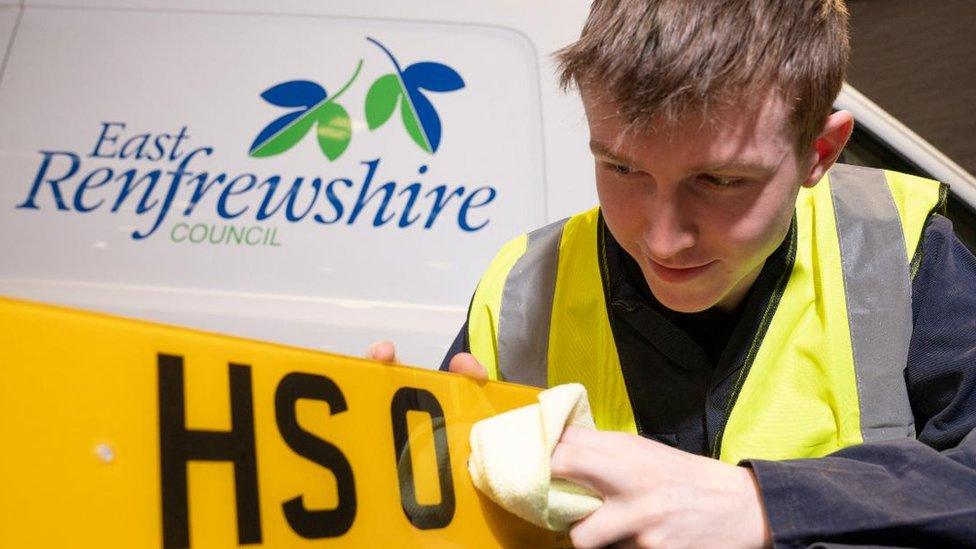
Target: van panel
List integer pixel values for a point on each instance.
(8, 20)
(547, 24)
(403, 216)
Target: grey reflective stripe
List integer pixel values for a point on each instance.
(526, 310)
(879, 298)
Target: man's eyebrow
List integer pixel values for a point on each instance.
(755, 166)
(599, 148)
(738, 166)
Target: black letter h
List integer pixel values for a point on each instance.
(178, 446)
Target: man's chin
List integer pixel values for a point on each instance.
(684, 303)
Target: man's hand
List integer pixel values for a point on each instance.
(466, 364)
(657, 496)
(382, 351)
(461, 363)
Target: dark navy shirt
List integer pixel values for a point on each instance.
(907, 493)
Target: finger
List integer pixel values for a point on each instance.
(613, 442)
(612, 522)
(383, 351)
(609, 443)
(466, 364)
(588, 466)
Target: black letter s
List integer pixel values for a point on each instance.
(321, 523)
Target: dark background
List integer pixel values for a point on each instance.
(917, 60)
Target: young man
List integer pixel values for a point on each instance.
(738, 296)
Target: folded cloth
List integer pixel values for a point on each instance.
(510, 455)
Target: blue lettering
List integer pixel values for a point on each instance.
(130, 185)
(180, 137)
(138, 142)
(158, 147)
(362, 200)
(174, 185)
(87, 183)
(272, 184)
(290, 210)
(54, 181)
(405, 205)
(201, 189)
(414, 190)
(105, 138)
(229, 190)
(334, 201)
(469, 203)
(291, 196)
(440, 202)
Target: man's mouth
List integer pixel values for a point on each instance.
(678, 273)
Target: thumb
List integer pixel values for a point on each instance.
(466, 364)
(383, 351)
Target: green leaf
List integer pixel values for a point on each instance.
(381, 100)
(411, 124)
(286, 139)
(334, 131)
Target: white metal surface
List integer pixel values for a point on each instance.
(8, 20)
(84, 79)
(902, 139)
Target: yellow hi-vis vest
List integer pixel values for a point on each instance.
(824, 371)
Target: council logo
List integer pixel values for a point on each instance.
(310, 106)
(163, 179)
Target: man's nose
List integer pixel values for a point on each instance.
(671, 227)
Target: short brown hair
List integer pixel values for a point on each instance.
(659, 59)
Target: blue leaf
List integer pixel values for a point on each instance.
(274, 128)
(429, 121)
(295, 93)
(432, 76)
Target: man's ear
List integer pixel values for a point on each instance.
(828, 145)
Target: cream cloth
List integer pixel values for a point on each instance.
(510, 455)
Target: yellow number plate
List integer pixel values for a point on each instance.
(119, 433)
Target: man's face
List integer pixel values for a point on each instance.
(700, 204)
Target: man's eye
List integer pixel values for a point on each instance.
(621, 169)
(719, 181)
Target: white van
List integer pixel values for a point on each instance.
(315, 173)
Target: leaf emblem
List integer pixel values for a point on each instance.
(412, 125)
(435, 77)
(334, 130)
(381, 100)
(296, 93)
(422, 122)
(282, 134)
(420, 118)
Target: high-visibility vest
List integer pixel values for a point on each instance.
(824, 371)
